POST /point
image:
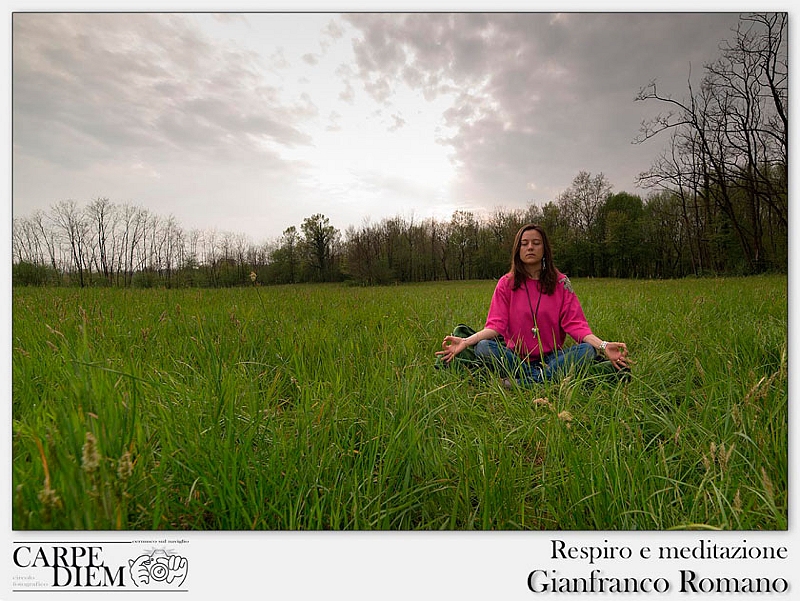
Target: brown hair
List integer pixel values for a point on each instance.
(548, 276)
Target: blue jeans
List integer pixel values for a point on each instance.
(554, 365)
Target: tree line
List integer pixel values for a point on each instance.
(717, 203)
(594, 232)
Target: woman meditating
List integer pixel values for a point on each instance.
(534, 309)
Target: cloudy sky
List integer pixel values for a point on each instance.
(250, 122)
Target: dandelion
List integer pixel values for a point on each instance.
(90, 459)
(253, 276)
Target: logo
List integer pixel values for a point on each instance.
(158, 568)
(113, 566)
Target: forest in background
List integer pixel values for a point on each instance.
(716, 204)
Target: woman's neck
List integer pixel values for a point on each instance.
(533, 272)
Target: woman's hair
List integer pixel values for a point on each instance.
(548, 276)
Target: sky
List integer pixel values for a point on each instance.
(251, 122)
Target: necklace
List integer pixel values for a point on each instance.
(535, 328)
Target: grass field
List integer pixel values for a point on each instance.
(318, 407)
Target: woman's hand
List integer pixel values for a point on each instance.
(451, 346)
(617, 353)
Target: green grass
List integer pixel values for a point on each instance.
(318, 407)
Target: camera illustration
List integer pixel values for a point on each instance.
(158, 569)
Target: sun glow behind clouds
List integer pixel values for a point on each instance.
(380, 154)
(371, 155)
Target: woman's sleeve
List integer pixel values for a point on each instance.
(573, 321)
(497, 319)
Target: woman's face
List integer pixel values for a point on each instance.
(531, 249)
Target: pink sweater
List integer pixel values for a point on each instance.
(559, 314)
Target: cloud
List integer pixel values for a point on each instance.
(345, 74)
(534, 96)
(92, 87)
(334, 121)
(432, 111)
(491, 66)
(333, 30)
(397, 123)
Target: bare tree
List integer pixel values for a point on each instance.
(737, 124)
(581, 202)
(101, 215)
(74, 229)
(26, 247)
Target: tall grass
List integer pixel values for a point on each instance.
(318, 407)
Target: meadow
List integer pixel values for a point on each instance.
(319, 407)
